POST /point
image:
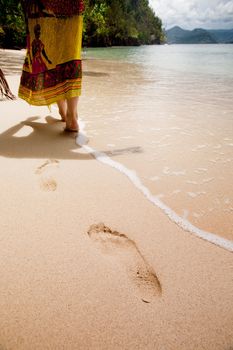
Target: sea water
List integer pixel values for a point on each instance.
(164, 116)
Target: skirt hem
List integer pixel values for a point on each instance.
(48, 102)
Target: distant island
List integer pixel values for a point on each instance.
(177, 35)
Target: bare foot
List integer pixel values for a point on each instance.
(72, 124)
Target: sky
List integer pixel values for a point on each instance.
(190, 14)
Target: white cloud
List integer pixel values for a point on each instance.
(191, 14)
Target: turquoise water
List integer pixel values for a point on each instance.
(195, 73)
(200, 59)
(166, 113)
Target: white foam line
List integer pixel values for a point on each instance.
(132, 176)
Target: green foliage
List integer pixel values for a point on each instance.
(106, 23)
(12, 27)
(95, 22)
(121, 22)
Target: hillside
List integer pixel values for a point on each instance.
(121, 22)
(177, 35)
(106, 23)
(222, 35)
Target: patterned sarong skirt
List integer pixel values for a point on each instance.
(52, 68)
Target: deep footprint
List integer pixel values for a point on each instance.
(118, 245)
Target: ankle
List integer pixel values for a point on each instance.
(62, 114)
(72, 115)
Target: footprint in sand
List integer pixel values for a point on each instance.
(122, 248)
(47, 181)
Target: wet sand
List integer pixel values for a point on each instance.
(179, 143)
(87, 262)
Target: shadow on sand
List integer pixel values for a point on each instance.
(47, 140)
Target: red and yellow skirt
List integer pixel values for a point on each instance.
(52, 68)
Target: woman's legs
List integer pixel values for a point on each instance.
(72, 114)
(62, 106)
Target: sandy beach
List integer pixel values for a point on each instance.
(86, 261)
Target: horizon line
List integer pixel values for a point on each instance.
(176, 25)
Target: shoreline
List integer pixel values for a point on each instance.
(67, 284)
(135, 180)
(92, 71)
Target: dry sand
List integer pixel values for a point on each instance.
(69, 282)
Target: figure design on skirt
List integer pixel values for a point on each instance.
(38, 50)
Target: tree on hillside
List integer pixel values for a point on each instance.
(121, 22)
(106, 23)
